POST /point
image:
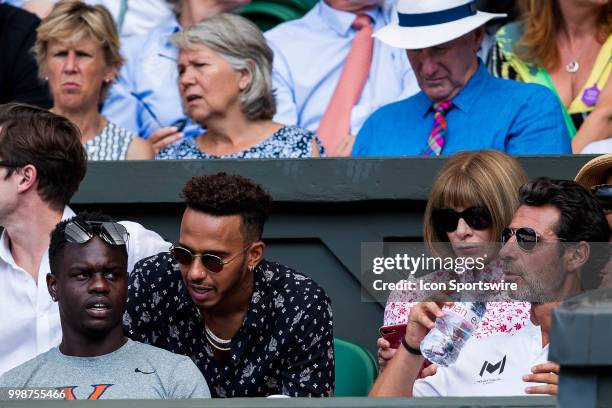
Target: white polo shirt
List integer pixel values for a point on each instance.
(30, 323)
(488, 366)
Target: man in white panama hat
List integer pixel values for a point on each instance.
(460, 106)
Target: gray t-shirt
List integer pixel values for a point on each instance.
(134, 371)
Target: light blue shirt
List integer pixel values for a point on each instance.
(489, 113)
(150, 72)
(309, 55)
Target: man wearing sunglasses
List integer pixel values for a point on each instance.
(552, 249)
(42, 163)
(89, 279)
(253, 327)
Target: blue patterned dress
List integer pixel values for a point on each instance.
(287, 142)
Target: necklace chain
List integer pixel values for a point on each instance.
(574, 64)
(215, 341)
(214, 337)
(212, 343)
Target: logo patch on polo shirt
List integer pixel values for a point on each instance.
(490, 372)
(492, 368)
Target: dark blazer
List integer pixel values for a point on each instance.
(19, 80)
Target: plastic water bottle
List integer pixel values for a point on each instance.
(444, 342)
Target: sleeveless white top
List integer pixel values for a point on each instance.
(110, 144)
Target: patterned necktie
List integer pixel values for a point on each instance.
(336, 121)
(435, 143)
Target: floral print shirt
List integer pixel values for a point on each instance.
(284, 346)
(287, 142)
(501, 317)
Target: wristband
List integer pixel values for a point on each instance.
(409, 349)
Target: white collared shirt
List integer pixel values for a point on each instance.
(30, 323)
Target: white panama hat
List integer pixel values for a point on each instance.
(427, 23)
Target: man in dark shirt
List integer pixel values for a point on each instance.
(19, 80)
(253, 327)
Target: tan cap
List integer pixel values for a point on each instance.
(594, 171)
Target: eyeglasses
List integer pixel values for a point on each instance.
(603, 195)
(211, 262)
(527, 238)
(447, 220)
(110, 232)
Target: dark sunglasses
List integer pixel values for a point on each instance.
(603, 195)
(527, 238)
(211, 262)
(110, 232)
(447, 220)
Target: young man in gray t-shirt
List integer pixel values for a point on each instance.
(88, 259)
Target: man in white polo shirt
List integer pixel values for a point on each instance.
(42, 163)
(548, 253)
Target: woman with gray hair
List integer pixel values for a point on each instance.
(225, 83)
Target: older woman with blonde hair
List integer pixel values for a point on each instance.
(225, 83)
(77, 48)
(566, 46)
(473, 198)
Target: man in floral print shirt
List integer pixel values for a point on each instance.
(253, 327)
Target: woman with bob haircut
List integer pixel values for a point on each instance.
(566, 46)
(225, 83)
(473, 198)
(77, 49)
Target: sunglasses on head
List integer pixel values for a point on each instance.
(603, 194)
(447, 219)
(212, 263)
(79, 232)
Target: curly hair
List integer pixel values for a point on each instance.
(58, 236)
(581, 218)
(230, 194)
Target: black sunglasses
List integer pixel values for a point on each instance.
(211, 262)
(110, 232)
(526, 237)
(603, 195)
(446, 219)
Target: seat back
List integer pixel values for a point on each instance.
(355, 369)
(266, 14)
